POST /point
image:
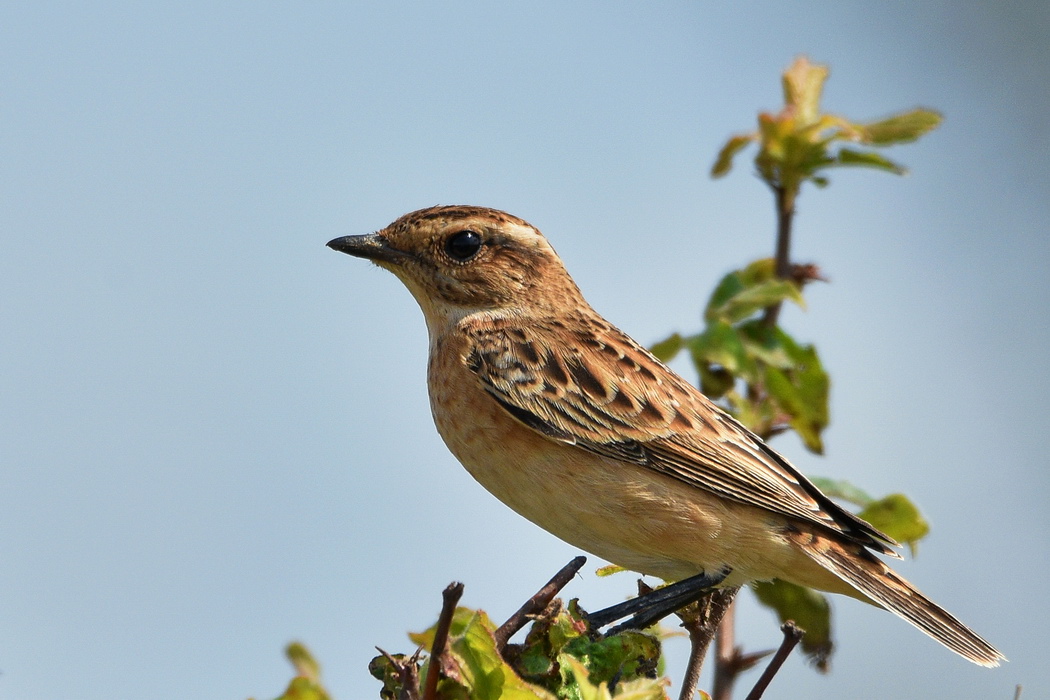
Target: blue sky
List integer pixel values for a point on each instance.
(215, 435)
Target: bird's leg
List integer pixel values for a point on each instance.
(655, 605)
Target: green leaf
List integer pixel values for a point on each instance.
(752, 299)
(627, 655)
(645, 689)
(729, 286)
(720, 344)
(666, 349)
(307, 682)
(803, 85)
(761, 270)
(801, 392)
(756, 416)
(763, 344)
(794, 143)
(899, 518)
(829, 128)
(842, 490)
(868, 159)
(547, 636)
(483, 671)
(303, 661)
(807, 158)
(382, 670)
(460, 619)
(637, 689)
(585, 690)
(789, 399)
(724, 161)
(810, 611)
(900, 128)
(558, 647)
(715, 382)
(811, 382)
(608, 570)
(303, 689)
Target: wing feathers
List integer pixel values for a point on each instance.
(606, 394)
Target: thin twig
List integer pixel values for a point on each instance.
(407, 674)
(730, 659)
(785, 204)
(701, 621)
(450, 596)
(792, 636)
(537, 603)
(725, 649)
(698, 644)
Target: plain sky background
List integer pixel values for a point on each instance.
(215, 436)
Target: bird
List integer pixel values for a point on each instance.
(577, 427)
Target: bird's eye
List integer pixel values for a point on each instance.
(463, 246)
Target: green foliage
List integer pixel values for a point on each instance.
(637, 689)
(560, 659)
(743, 293)
(765, 377)
(386, 669)
(307, 682)
(460, 619)
(798, 143)
(478, 671)
(755, 368)
(899, 518)
(609, 570)
(555, 638)
(808, 608)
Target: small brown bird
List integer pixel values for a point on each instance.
(577, 427)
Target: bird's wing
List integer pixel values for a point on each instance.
(588, 384)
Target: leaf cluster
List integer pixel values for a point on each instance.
(800, 143)
(306, 685)
(763, 376)
(768, 380)
(560, 659)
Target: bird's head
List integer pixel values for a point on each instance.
(458, 260)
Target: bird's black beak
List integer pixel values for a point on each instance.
(371, 246)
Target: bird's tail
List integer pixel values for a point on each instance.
(862, 570)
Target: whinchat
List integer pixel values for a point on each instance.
(580, 429)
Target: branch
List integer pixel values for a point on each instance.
(730, 660)
(725, 651)
(407, 674)
(792, 636)
(785, 199)
(537, 603)
(450, 596)
(701, 621)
